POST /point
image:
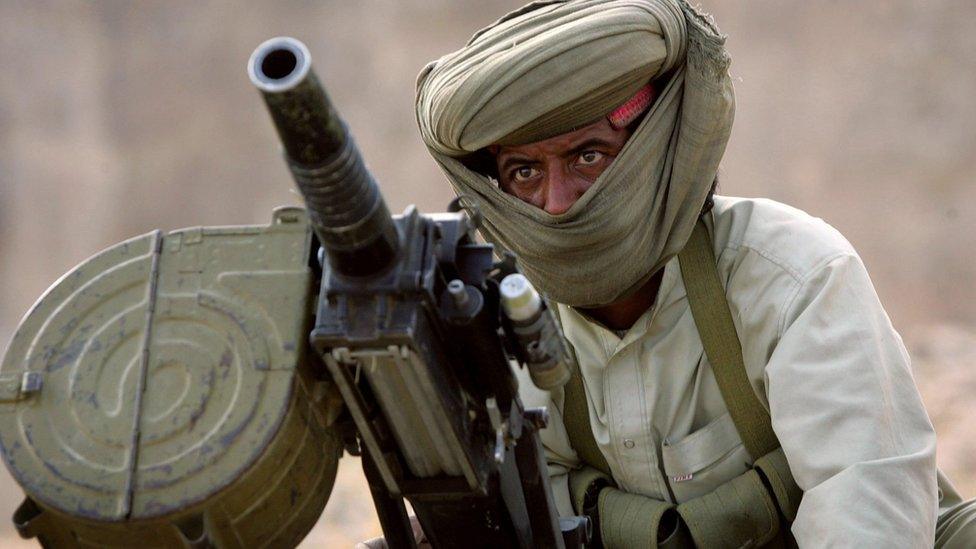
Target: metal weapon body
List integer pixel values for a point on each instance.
(409, 326)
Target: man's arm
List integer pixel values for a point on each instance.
(846, 410)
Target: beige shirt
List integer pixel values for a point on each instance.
(821, 354)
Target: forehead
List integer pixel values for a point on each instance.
(568, 141)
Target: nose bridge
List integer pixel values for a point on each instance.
(561, 189)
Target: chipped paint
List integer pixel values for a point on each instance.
(244, 422)
(67, 356)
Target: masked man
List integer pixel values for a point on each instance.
(589, 134)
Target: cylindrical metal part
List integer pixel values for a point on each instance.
(549, 362)
(343, 201)
(520, 301)
(459, 293)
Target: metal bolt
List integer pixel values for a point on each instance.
(458, 292)
(31, 382)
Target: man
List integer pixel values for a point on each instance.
(589, 134)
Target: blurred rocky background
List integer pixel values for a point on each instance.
(118, 117)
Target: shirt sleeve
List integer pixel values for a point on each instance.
(849, 417)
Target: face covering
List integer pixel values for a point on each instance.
(556, 66)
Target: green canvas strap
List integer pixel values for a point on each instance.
(748, 508)
(578, 427)
(706, 297)
(576, 418)
(576, 415)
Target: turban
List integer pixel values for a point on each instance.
(556, 66)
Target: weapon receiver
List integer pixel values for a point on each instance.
(410, 327)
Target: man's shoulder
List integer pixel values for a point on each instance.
(789, 238)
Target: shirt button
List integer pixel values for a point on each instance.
(628, 443)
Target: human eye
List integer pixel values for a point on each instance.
(589, 158)
(522, 174)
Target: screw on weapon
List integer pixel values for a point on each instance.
(458, 293)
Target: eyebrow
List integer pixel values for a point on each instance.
(589, 144)
(577, 149)
(515, 159)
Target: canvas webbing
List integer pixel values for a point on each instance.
(739, 513)
(635, 521)
(744, 508)
(576, 418)
(706, 297)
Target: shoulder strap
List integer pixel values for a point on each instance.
(706, 297)
(576, 415)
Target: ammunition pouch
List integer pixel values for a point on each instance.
(775, 472)
(739, 513)
(585, 485)
(753, 509)
(629, 520)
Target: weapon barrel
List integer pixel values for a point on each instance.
(344, 203)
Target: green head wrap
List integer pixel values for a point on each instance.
(555, 66)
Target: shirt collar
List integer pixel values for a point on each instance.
(670, 291)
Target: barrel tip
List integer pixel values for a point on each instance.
(279, 64)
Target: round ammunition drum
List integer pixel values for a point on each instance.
(159, 395)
